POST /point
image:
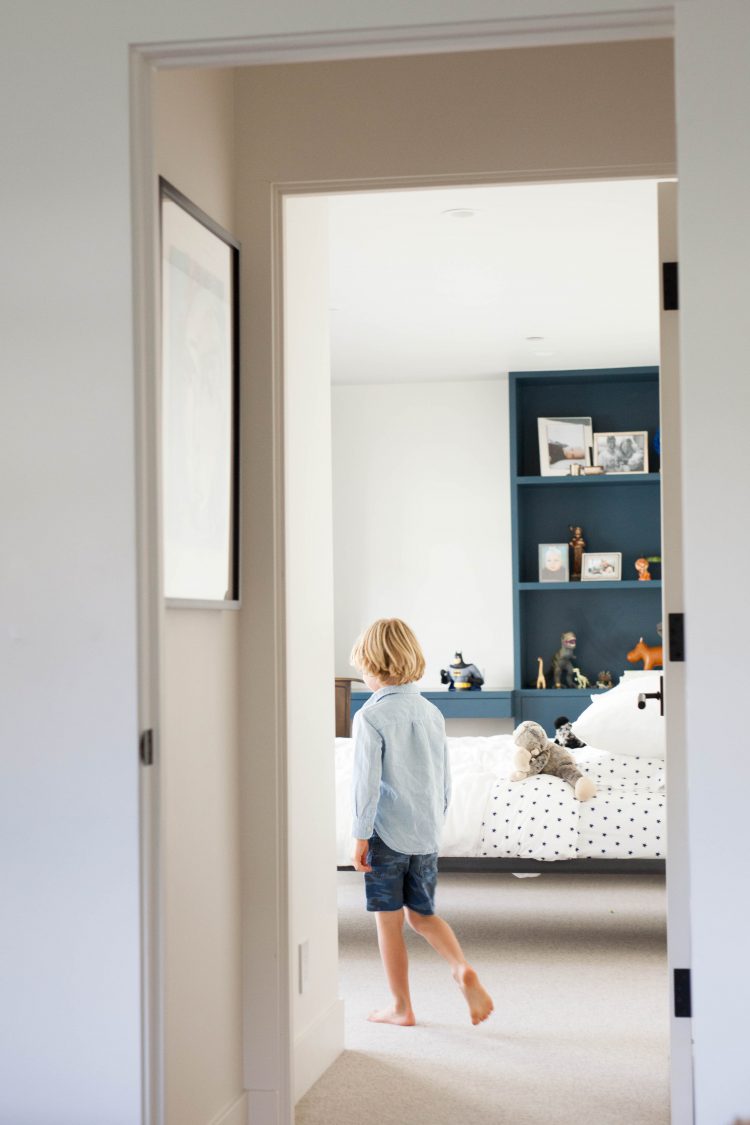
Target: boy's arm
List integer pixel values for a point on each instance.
(447, 775)
(368, 767)
(359, 855)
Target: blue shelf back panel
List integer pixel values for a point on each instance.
(615, 399)
(614, 517)
(607, 623)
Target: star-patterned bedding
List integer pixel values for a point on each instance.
(539, 818)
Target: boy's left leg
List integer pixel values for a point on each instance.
(441, 937)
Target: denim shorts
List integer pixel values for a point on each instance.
(398, 880)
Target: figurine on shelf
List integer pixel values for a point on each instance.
(581, 680)
(642, 564)
(563, 666)
(461, 676)
(578, 545)
(541, 679)
(651, 655)
(604, 680)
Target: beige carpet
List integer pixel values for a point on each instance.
(577, 968)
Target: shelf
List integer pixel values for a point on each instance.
(603, 479)
(485, 704)
(559, 587)
(561, 693)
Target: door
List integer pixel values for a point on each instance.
(678, 916)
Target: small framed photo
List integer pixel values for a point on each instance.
(563, 442)
(553, 562)
(625, 451)
(604, 566)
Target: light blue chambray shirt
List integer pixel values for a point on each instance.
(401, 784)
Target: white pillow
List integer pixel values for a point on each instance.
(614, 722)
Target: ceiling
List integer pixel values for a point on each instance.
(539, 277)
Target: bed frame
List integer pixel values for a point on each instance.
(478, 864)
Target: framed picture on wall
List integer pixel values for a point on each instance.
(200, 405)
(622, 452)
(563, 442)
(553, 562)
(602, 566)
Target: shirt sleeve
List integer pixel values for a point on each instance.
(447, 775)
(368, 768)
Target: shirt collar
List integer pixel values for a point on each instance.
(393, 689)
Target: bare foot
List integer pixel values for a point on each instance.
(391, 1015)
(478, 999)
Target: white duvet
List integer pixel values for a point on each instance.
(539, 818)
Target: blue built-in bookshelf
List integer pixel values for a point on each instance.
(618, 512)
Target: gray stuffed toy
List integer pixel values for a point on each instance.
(538, 754)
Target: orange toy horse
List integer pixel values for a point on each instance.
(651, 655)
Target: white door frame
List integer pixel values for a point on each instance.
(277, 1107)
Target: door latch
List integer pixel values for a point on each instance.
(643, 696)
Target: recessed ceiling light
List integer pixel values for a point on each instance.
(460, 213)
(535, 337)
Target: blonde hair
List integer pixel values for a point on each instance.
(389, 651)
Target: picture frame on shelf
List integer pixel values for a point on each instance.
(621, 451)
(200, 406)
(554, 562)
(601, 566)
(563, 442)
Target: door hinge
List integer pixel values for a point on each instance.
(683, 1004)
(677, 638)
(147, 748)
(670, 294)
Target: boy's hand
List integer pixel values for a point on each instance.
(359, 855)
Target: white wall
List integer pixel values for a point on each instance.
(317, 1012)
(421, 487)
(71, 1008)
(202, 952)
(713, 83)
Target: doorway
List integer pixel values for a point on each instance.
(494, 149)
(367, 479)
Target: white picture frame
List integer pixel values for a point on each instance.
(601, 566)
(621, 451)
(563, 442)
(554, 562)
(200, 406)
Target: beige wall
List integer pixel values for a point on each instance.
(200, 842)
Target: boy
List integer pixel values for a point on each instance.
(401, 789)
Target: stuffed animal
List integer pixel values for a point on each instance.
(538, 754)
(564, 734)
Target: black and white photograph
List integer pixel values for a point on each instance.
(200, 385)
(624, 452)
(601, 566)
(553, 562)
(563, 442)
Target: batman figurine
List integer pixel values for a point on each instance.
(461, 676)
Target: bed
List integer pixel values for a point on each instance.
(537, 825)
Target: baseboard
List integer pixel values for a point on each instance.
(234, 1114)
(317, 1047)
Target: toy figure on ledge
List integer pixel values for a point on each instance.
(535, 753)
(578, 546)
(461, 676)
(651, 655)
(605, 680)
(563, 662)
